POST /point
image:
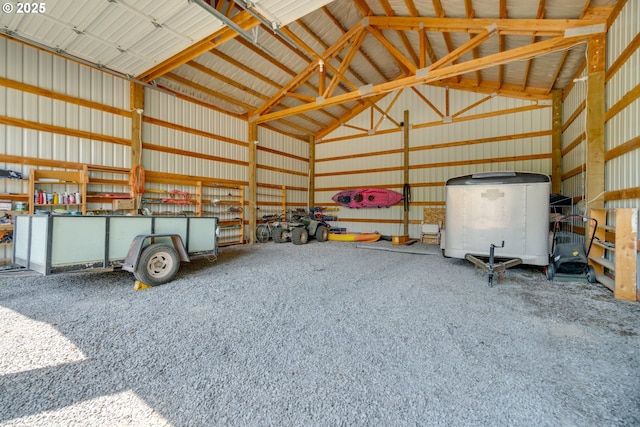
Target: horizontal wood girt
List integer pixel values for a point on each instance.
(538, 27)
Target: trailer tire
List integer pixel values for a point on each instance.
(158, 264)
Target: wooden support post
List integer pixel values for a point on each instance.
(556, 143)
(322, 78)
(284, 202)
(137, 107)
(312, 171)
(626, 254)
(595, 123)
(253, 204)
(406, 169)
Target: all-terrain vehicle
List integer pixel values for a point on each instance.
(299, 230)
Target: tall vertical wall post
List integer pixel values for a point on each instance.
(137, 110)
(253, 204)
(406, 170)
(556, 143)
(595, 122)
(312, 171)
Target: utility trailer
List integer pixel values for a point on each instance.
(151, 247)
(498, 215)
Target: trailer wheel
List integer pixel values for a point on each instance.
(299, 236)
(158, 264)
(322, 233)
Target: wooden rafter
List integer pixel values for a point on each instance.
(346, 61)
(437, 6)
(524, 52)
(311, 68)
(339, 74)
(244, 20)
(488, 87)
(343, 31)
(208, 91)
(388, 10)
(539, 27)
(426, 101)
(558, 70)
(345, 118)
(386, 115)
(282, 67)
(455, 54)
(426, 50)
(534, 38)
(221, 77)
(341, 84)
(470, 14)
(501, 41)
(398, 56)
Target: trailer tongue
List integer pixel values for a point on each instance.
(152, 248)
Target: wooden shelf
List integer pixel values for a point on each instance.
(113, 185)
(196, 196)
(608, 246)
(615, 263)
(604, 262)
(57, 181)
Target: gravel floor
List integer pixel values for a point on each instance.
(325, 334)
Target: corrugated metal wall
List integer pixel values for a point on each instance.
(622, 171)
(43, 70)
(67, 126)
(282, 161)
(88, 120)
(495, 134)
(192, 130)
(621, 128)
(574, 128)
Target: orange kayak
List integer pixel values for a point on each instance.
(354, 237)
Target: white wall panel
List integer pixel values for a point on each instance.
(622, 172)
(286, 145)
(486, 138)
(37, 68)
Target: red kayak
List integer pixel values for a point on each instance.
(367, 198)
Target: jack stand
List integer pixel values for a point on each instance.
(493, 268)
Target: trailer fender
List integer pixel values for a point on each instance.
(137, 245)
